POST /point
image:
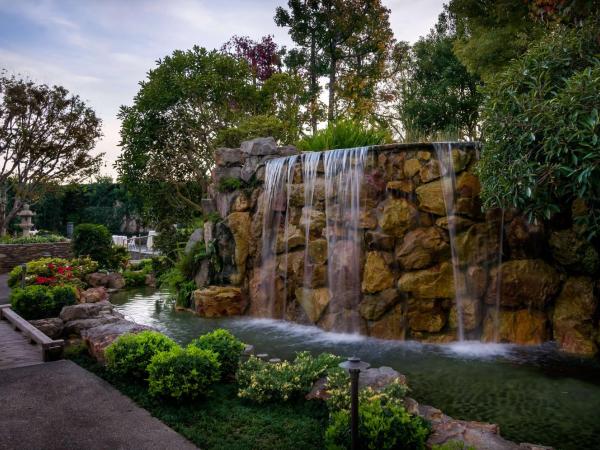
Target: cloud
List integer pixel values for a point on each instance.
(101, 49)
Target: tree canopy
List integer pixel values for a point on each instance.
(46, 137)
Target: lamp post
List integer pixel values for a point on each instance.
(354, 365)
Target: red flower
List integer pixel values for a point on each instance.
(61, 270)
(51, 266)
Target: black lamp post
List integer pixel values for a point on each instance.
(354, 365)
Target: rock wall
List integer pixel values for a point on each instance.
(12, 255)
(520, 282)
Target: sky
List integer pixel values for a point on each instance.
(102, 49)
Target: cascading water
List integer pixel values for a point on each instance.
(344, 170)
(274, 209)
(310, 164)
(343, 178)
(448, 179)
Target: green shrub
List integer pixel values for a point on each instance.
(229, 184)
(262, 381)
(63, 296)
(344, 134)
(40, 302)
(183, 297)
(131, 353)
(36, 239)
(189, 263)
(226, 346)
(541, 126)
(119, 257)
(94, 241)
(383, 424)
(183, 374)
(134, 278)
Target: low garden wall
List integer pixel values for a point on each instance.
(12, 255)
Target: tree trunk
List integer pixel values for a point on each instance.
(313, 82)
(332, 83)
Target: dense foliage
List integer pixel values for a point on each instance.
(344, 134)
(227, 347)
(262, 381)
(94, 241)
(130, 354)
(183, 374)
(102, 201)
(384, 423)
(541, 124)
(39, 302)
(439, 95)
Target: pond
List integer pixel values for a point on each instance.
(533, 393)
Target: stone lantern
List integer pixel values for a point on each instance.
(26, 224)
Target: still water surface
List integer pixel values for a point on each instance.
(534, 394)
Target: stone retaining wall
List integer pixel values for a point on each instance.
(12, 255)
(521, 282)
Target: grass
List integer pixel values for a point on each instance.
(224, 421)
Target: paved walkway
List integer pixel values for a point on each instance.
(59, 405)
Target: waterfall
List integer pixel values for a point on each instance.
(273, 211)
(310, 163)
(344, 170)
(499, 281)
(343, 178)
(448, 181)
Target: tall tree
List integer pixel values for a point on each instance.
(439, 95)
(345, 40)
(168, 134)
(46, 137)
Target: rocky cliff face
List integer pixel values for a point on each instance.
(518, 282)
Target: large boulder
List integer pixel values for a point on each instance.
(573, 318)
(312, 218)
(219, 301)
(431, 198)
(115, 281)
(525, 327)
(525, 239)
(259, 147)
(240, 225)
(399, 216)
(228, 156)
(525, 282)
(292, 238)
(97, 279)
(93, 295)
(313, 302)
(574, 252)
(435, 282)
(426, 316)
(196, 236)
(421, 248)
(479, 244)
(220, 173)
(78, 326)
(472, 314)
(100, 337)
(372, 307)
(317, 251)
(52, 327)
(377, 275)
(86, 311)
(390, 326)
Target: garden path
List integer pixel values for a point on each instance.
(4, 289)
(59, 405)
(15, 349)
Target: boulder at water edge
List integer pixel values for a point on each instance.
(219, 301)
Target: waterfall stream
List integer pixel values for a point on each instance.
(448, 180)
(344, 170)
